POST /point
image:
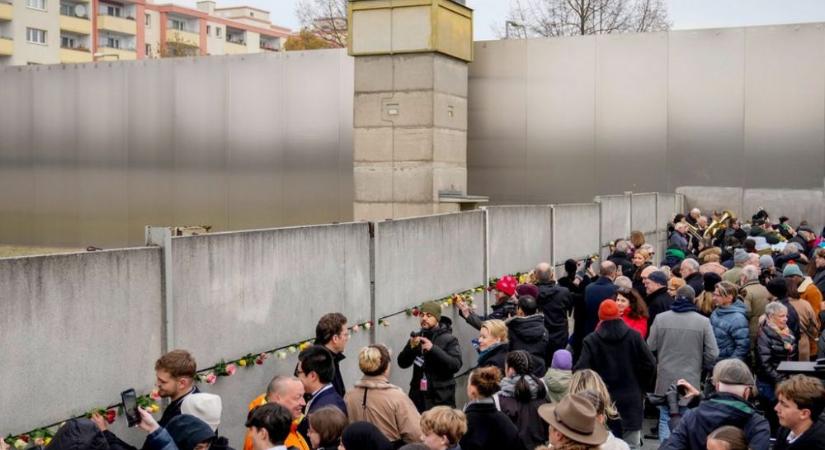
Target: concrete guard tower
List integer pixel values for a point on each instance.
(410, 118)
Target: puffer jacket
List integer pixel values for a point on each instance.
(528, 334)
(440, 365)
(385, 405)
(730, 327)
(772, 349)
(718, 410)
(555, 303)
(558, 383)
(524, 412)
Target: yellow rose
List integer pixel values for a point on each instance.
(242, 363)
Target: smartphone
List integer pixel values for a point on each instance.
(130, 407)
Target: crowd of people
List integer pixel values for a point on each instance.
(696, 341)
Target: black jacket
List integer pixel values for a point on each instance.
(622, 261)
(494, 357)
(528, 334)
(556, 304)
(524, 413)
(439, 366)
(79, 434)
(697, 282)
(813, 439)
(489, 429)
(338, 380)
(621, 357)
(770, 351)
(718, 410)
(658, 302)
(596, 292)
(638, 283)
(173, 410)
(501, 311)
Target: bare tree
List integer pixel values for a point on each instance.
(552, 18)
(326, 19)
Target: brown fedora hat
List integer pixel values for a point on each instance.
(575, 417)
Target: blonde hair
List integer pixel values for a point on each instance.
(587, 379)
(497, 329)
(444, 421)
(374, 360)
(643, 253)
(675, 283)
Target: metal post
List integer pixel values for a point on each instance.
(629, 195)
(601, 226)
(373, 310)
(486, 270)
(553, 237)
(162, 237)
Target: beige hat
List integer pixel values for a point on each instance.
(206, 407)
(575, 417)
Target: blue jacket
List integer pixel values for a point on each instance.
(730, 326)
(718, 410)
(160, 439)
(602, 289)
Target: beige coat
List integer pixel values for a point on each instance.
(386, 406)
(807, 320)
(755, 297)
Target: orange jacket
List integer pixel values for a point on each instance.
(293, 440)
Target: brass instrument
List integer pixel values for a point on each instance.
(722, 223)
(693, 231)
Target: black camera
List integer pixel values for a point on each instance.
(415, 334)
(674, 398)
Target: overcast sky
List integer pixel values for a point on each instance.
(684, 14)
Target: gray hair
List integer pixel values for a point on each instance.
(691, 263)
(666, 270)
(774, 308)
(750, 273)
(648, 248)
(791, 247)
(622, 246)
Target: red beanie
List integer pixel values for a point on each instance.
(609, 310)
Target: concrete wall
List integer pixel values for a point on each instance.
(615, 217)
(76, 330)
(797, 204)
(562, 119)
(519, 237)
(575, 231)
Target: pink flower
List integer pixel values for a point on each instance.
(230, 369)
(211, 378)
(154, 395)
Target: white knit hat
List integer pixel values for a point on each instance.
(206, 407)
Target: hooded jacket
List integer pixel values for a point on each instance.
(718, 410)
(683, 342)
(558, 383)
(524, 412)
(385, 405)
(555, 303)
(188, 431)
(627, 377)
(489, 428)
(439, 365)
(528, 334)
(730, 327)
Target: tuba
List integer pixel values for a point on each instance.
(722, 223)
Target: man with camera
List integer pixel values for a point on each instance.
(729, 405)
(435, 355)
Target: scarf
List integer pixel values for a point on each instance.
(785, 334)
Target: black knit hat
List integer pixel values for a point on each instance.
(188, 431)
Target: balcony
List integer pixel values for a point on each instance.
(78, 25)
(6, 46)
(117, 24)
(6, 10)
(182, 37)
(75, 55)
(120, 54)
(232, 48)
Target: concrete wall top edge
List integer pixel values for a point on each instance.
(265, 230)
(80, 253)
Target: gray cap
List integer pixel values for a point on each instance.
(687, 292)
(740, 256)
(765, 262)
(733, 371)
(623, 284)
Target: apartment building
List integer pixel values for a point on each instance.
(72, 31)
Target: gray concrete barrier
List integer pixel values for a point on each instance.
(575, 231)
(519, 237)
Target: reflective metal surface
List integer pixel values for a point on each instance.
(91, 153)
(647, 112)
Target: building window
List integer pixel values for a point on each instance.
(36, 36)
(112, 10)
(176, 24)
(148, 50)
(217, 32)
(148, 19)
(209, 30)
(113, 42)
(67, 42)
(36, 4)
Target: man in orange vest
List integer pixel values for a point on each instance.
(288, 392)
